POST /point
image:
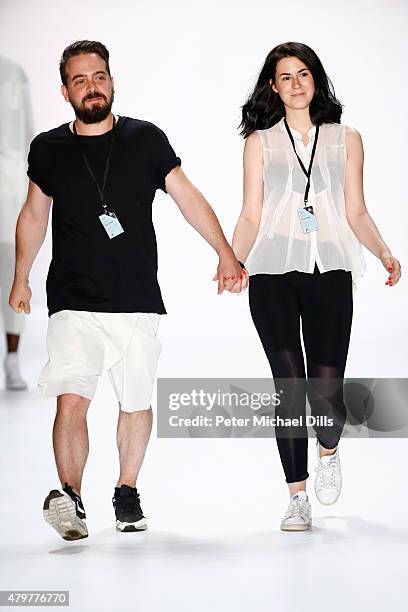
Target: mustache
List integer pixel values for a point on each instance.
(94, 94)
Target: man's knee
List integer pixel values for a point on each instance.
(143, 411)
(68, 402)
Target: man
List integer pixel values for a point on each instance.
(104, 301)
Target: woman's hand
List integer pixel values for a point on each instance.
(228, 273)
(233, 284)
(393, 266)
(242, 282)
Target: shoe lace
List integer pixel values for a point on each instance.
(327, 476)
(297, 506)
(128, 502)
(79, 506)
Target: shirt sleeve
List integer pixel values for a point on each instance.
(37, 164)
(165, 158)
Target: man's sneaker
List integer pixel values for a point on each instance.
(298, 516)
(328, 477)
(65, 513)
(129, 515)
(14, 381)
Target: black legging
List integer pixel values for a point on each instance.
(324, 303)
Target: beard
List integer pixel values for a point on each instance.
(96, 112)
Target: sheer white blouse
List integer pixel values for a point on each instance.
(280, 245)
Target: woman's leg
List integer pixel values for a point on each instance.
(275, 311)
(327, 310)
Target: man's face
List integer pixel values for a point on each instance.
(90, 89)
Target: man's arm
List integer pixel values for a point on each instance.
(198, 212)
(30, 233)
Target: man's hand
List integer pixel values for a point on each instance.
(20, 296)
(229, 274)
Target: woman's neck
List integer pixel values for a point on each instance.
(299, 119)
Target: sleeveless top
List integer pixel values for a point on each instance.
(280, 245)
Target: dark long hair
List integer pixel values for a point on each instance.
(264, 107)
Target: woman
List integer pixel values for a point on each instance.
(300, 233)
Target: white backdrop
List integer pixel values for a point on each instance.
(188, 67)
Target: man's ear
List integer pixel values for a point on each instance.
(64, 92)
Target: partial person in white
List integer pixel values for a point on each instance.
(15, 136)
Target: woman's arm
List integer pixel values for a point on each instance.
(247, 225)
(357, 214)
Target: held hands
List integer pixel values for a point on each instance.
(20, 296)
(230, 275)
(241, 283)
(393, 266)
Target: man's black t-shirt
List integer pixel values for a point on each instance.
(89, 270)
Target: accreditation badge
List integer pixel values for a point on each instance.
(111, 224)
(308, 219)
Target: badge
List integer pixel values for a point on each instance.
(308, 219)
(111, 224)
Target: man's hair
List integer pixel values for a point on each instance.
(79, 48)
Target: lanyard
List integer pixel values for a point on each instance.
(309, 171)
(101, 191)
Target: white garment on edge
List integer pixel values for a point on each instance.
(82, 345)
(15, 138)
(13, 322)
(281, 246)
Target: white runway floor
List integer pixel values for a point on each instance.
(213, 508)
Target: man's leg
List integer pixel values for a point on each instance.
(12, 342)
(13, 323)
(65, 511)
(133, 380)
(70, 439)
(133, 433)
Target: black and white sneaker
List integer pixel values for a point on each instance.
(129, 515)
(65, 513)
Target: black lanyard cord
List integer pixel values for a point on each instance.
(101, 191)
(309, 171)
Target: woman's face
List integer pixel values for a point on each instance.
(293, 82)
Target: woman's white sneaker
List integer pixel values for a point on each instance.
(328, 477)
(298, 516)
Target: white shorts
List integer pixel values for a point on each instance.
(82, 345)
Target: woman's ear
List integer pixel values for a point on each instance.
(272, 86)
